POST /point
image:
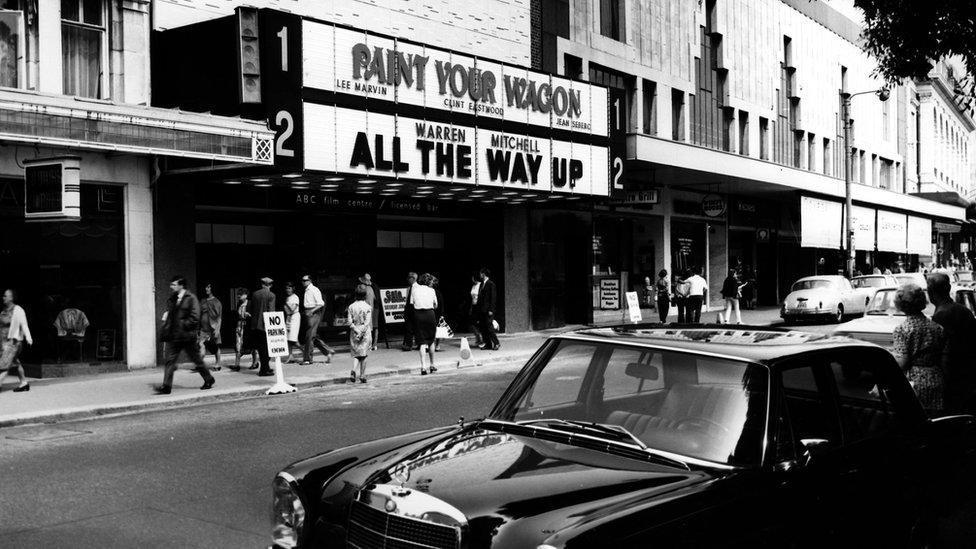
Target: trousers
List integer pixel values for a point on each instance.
(488, 331)
(694, 305)
(172, 353)
(312, 339)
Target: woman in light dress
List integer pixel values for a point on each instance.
(360, 320)
(211, 318)
(293, 321)
(13, 334)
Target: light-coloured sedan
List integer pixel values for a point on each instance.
(868, 285)
(881, 318)
(830, 296)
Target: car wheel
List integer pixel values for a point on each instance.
(839, 317)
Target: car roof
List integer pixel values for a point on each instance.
(821, 277)
(746, 343)
(874, 275)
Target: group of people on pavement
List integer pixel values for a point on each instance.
(192, 326)
(687, 293)
(938, 354)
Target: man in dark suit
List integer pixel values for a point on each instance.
(262, 301)
(487, 300)
(181, 328)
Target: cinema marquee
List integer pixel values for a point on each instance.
(350, 102)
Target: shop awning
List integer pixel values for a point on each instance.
(99, 125)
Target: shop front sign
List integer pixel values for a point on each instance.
(378, 106)
(820, 223)
(919, 235)
(863, 223)
(52, 189)
(610, 294)
(892, 232)
(713, 205)
(394, 305)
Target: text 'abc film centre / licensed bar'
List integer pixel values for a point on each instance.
(390, 156)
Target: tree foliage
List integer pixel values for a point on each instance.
(907, 36)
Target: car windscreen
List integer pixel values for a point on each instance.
(965, 276)
(902, 280)
(693, 405)
(869, 282)
(883, 303)
(810, 284)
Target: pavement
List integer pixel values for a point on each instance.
(52, 400)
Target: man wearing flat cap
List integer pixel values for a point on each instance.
(262, 301)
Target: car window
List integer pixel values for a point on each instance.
(560, 382)
(619, 380)
(883, 303)
(865, 410)
(806, 412)
(869, 282)
(810, 284)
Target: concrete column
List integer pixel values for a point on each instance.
(50, 79)
(133, 54)
(518, 313)
(140, 327)
(718, 261)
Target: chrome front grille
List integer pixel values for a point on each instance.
(371, 528)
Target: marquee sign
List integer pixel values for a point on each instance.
(373, 105)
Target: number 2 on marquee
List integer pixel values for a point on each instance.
(284, 117)
(618, 171)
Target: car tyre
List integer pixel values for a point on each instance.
(839, 317)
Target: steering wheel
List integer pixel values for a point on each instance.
(701, 421)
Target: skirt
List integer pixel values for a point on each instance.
(359, 348)
(425, 325)
(8, 354)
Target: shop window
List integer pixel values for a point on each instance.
(744, 133)
(763, 138)
(84, 47)
(387, 239)
(220, 233)
(677, 115)
(612, 19)
(650, 107)
(409, 239)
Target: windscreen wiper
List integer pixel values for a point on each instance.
(617, 431)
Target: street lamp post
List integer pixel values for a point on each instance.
(883, 94)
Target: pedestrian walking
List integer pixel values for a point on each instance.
(181, 333)
(242, 335)
(681, 289)
(409, 325)
(697, 293)
(487, 301)
(918, 347)
(439, 310)
(423, 298)
(360, 316)
(664, 295)
(472, 309)
(314, 309)
(14, 333)
(293, 320)
(262, 301)
(959, 356)
(372, 300)
(731, 292)
(211, 319)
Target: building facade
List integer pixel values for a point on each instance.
(77, 135)
(735, 115)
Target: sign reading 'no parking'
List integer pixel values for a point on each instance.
(277, 332)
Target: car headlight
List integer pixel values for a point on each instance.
(288, 513)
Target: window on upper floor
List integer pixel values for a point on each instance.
(677, 115)
(811, 152)
(612, 19)
(744, 133)
(763, 138)
(885, 120)
(84, 47)
(798, 150)
(649, 124)
(18, 44)
(862, 167)
(572, 66)
(827, 157)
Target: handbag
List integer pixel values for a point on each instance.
(443, 331)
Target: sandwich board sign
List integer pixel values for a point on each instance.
(633, 306)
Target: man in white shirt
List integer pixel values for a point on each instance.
(314, 308)
(697, 290)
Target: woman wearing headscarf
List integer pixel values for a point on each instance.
(14, 332)
(211, 318)
(918, 345)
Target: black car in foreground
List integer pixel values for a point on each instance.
(654, 437)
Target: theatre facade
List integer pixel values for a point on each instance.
(392, 156)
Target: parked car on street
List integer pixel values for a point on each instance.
(827, 296)
(917, 279)
(867, 285)
(654, 437)
(878, 323)
(965, 279)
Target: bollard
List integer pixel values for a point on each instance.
(465, 353)
(280, 387)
